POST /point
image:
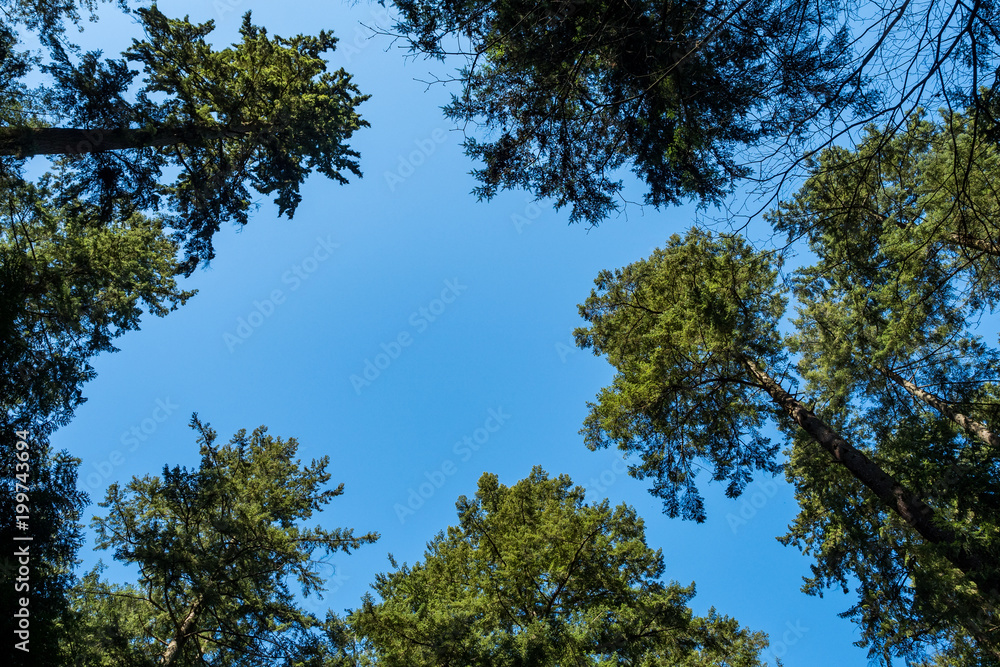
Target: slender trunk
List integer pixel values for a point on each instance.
(971, 426)
(964, 240)
(181, 636)
(893, 494)
(24, 142)
(973, 243)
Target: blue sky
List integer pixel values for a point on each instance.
(461, 313)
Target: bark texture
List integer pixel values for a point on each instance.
(895, 496)
(181, 636)
(969, 425)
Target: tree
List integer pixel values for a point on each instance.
(692, 96)
(70, 284)
(85, 249)
(215, 548)
(263, 113)
(905, 236)
(891, 494)
(533, 575)
(920, 200)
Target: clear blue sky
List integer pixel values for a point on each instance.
(480, 300)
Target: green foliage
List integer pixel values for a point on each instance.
(260, 115)
(568, 91)
(265, 113)
(893, 372)
(48, 16)
(677, 326)
(70, 284)
(216, 548)
(905, 233)
(108, 625)
(532, 575)
(919, 202)
(87, 248)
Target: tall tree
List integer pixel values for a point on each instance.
(216, 549)
(692, 96)
(921, 200)
(891, 494)
(66, 289)
(70, 283)
(261, 114)
(569, 91)
(533, 575)
(87, 247)
(905, 234)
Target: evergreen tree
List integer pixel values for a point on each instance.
(216, 549)
(533, 575)
(692, 96)
(262, 114)
(70, 284)
(905, 234)
(892, 492)
(86, 248)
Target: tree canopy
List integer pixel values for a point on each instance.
(142, 177)
(880, 383)
(70, 284)
(216, 548)
(533, 575)
(141, 174)
(693, 96)
(261, 114)
(895, 492)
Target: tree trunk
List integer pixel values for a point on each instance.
(971, 426)
(917, 513)
(24, 142)
(973, 243)
(181, 636)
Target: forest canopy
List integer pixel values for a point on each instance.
(849, 346)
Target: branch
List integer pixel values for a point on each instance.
(971, 426)
(890, 491)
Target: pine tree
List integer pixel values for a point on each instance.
(892, 492)
(533, 575)
(216, 548)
